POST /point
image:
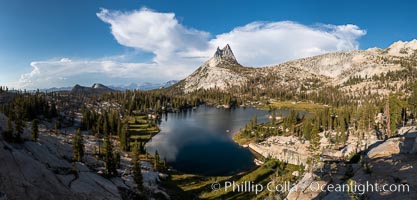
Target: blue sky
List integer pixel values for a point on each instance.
(47, 43)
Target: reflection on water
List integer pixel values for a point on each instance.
(199, 141)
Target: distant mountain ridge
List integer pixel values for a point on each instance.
(222, 71)
(144, 86)
(96, 88)
(132, 86)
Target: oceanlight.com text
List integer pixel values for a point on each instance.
(355, 188)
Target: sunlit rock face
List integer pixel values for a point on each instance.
(223, 71)
(97, 88)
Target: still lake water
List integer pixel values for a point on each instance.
(198, 141)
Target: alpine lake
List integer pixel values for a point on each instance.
(199, 141)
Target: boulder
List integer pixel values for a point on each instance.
(386, 149)
(332, 153)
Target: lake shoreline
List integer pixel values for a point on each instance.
(185, 149)
(194, 185)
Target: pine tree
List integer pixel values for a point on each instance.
(72, 117)
(136, 169)
(307, 129)
(19, 129)
(35, 129)
(119, 127)
(412, 101)
(57, 127)
(105, 126)
(395, 107)
(109, 160)
(141, 147)
(165, 162)
(274, 117)
(53, 112)
(8, 133)
(77, 146)
(123, 138)
(10, 125)
(156, 160)
(116, 157)
(314, 147)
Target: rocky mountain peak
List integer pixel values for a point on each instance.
(226, 53)
(96, 88)
(401, 48)
(98, 85)
(221, 71)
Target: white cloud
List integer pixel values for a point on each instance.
(155, 32)
(267, 43)
(178, 50)
(66, 72)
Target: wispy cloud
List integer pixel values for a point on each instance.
(65, 72)
(178, 50)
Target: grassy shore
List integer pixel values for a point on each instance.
(292, 105)
(141, 129)
(245, 139)
(238, 138)
(288, 105)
